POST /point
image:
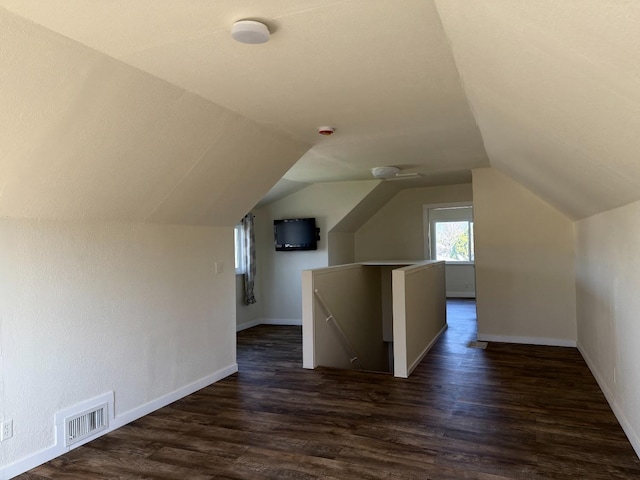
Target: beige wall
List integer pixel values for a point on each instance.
(419, 313)
(85, 136)
(525, 282)
(553, 86)
(280, 273)
(358, 314)
(608, 312)
(342, 248)
(461, 280)
(91, 308)
(396, 231)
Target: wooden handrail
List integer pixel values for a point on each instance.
(353, 356)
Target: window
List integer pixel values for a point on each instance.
(454, 241)
(451, 234)
(238, 237)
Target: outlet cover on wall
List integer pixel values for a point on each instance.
(6, 431)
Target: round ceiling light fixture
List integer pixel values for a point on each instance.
(326, 131)
(384, 172)
(250, 31)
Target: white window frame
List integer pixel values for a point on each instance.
(428, 245)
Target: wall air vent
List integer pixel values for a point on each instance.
(86, 424)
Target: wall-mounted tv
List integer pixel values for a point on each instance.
(296, 234)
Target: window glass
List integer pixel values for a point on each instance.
(238, 237)
(453, 241)
(451, 233)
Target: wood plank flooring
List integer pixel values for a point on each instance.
(507, 412)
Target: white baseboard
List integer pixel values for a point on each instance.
(425, 351)
(58, 449)
(281, 321)
(551, 342)
(165, 400)
(461, 294)
(268, 321)
(244, 326)
(633, 437)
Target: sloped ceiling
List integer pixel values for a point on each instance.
(546, 91)
(555, 89)
(86, 137)
(383, 76)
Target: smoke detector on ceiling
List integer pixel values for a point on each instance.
(384, 172)
(250, 31)
(326, 131)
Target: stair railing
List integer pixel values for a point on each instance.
(353, 356)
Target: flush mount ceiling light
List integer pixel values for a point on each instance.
(384, 172)
(250, 31)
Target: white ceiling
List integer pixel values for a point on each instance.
(551, 89)
(555, 88)
(382, 75)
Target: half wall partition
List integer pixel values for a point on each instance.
(377, 316)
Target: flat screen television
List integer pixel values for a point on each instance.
(296, 234)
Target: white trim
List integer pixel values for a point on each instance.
(551, 342)
(60, 417)
(245, 325)
(425, 351)
(461, 294)
(281, 321)
(268, 321)
(426, 225)
(308, 320)
(58, 449)
(608, 394)
(26, 464)
(165, 400)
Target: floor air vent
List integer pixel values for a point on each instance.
(86, 424)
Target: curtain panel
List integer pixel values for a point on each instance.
(249, 251)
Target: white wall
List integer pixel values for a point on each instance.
(89, 308)
(280, 273)
(608, 308)
(396, 231)
(525, 275)
(247, 315)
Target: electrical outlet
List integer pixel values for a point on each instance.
(219, 267)
(7, 430)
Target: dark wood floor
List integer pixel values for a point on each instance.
(511, 411)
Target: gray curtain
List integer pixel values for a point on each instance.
(249, 259)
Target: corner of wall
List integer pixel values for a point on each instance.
(525, 262)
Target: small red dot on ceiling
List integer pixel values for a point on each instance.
(326, 130)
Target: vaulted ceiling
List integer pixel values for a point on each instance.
(555, 90)
(147, 110)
